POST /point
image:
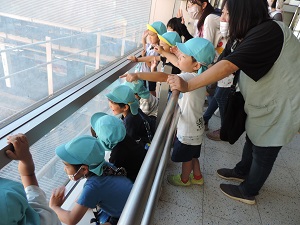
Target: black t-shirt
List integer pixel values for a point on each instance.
(258, 51)
(175, 70)
(128, 154)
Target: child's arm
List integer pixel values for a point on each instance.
(150, 76)
(144, 41)
(171, 57)
(66, 216)
(22, 153)
(143, 59)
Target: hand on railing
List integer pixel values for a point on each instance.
(177, 83)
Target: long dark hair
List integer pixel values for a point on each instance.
(244, 15)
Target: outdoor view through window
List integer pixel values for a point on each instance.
(48, 44)
(45, 46)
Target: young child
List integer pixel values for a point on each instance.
(122, 101)
(148, 102)
(177, 24)
(167, 41)
(18, 206)
(196, 55)
(152, 31)
(84, 158)
(125, 152)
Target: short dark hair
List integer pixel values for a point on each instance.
(244, 15)
(122, 105)
(175, 24)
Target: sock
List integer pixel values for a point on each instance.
(197, 177)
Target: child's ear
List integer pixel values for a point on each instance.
(126, 108)
(85, 169)
(197, 66)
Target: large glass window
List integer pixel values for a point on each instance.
(47, 45)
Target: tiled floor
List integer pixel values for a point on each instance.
(277, 204)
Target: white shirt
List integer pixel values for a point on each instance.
(190, 125)
(37, 200)
(149, 106)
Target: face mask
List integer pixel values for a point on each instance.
(224, 28)
(194, 12)
(72, 177)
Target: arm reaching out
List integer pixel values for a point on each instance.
(171, 57)
(22, 153)
(150, 76)
(215, 73)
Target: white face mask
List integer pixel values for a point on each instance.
(72, 177)
(224, 28)
(194, 12)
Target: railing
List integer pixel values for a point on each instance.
(142, 198)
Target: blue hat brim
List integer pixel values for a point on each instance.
(62, 153)
(182, 47)
(95, 117)
(113, 98)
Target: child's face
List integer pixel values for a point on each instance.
(71, 170)
(165, 46)
(115, 108)
(153, 37)
(186, 64)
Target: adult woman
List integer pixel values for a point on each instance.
(267, 53)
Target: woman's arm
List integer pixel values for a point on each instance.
(215, 73)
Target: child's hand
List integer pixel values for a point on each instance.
(143, 53)
(132, 58)
(130, 77)
(179, 13)
(175, 51)
(145, 34)
(153, 65)
(177, 83)
(57, 198)
(21, 147)
(158, 49)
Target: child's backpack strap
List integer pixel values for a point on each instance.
(147, 126)
(100, 216)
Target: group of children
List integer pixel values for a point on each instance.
(108, 184)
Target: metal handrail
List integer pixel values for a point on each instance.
(134, 209)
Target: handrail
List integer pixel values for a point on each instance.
(136, 203)
(155, 191)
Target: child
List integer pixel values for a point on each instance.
(177, 25)
(122, 101)
(125, 152)
(18, 206)
(196, 55)
(84, 158)
(148, 102)
(167, 41)
(152, 31)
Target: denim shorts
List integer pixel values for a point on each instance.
(185, 153)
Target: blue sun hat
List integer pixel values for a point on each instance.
(170, 38)
(14, 207)
(157, 27)
(124, 94)
(85, 150)
(139, 88)
(109, 130)
(201, 49)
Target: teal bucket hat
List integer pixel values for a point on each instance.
(124, 94)
(157, 27)
(109, 130)
(14, 207)
(201, 49)
(170, 38)
(139, 88)
(85, 150)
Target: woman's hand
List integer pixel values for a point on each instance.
(130, 77)
(57, 198)
(177, 83)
